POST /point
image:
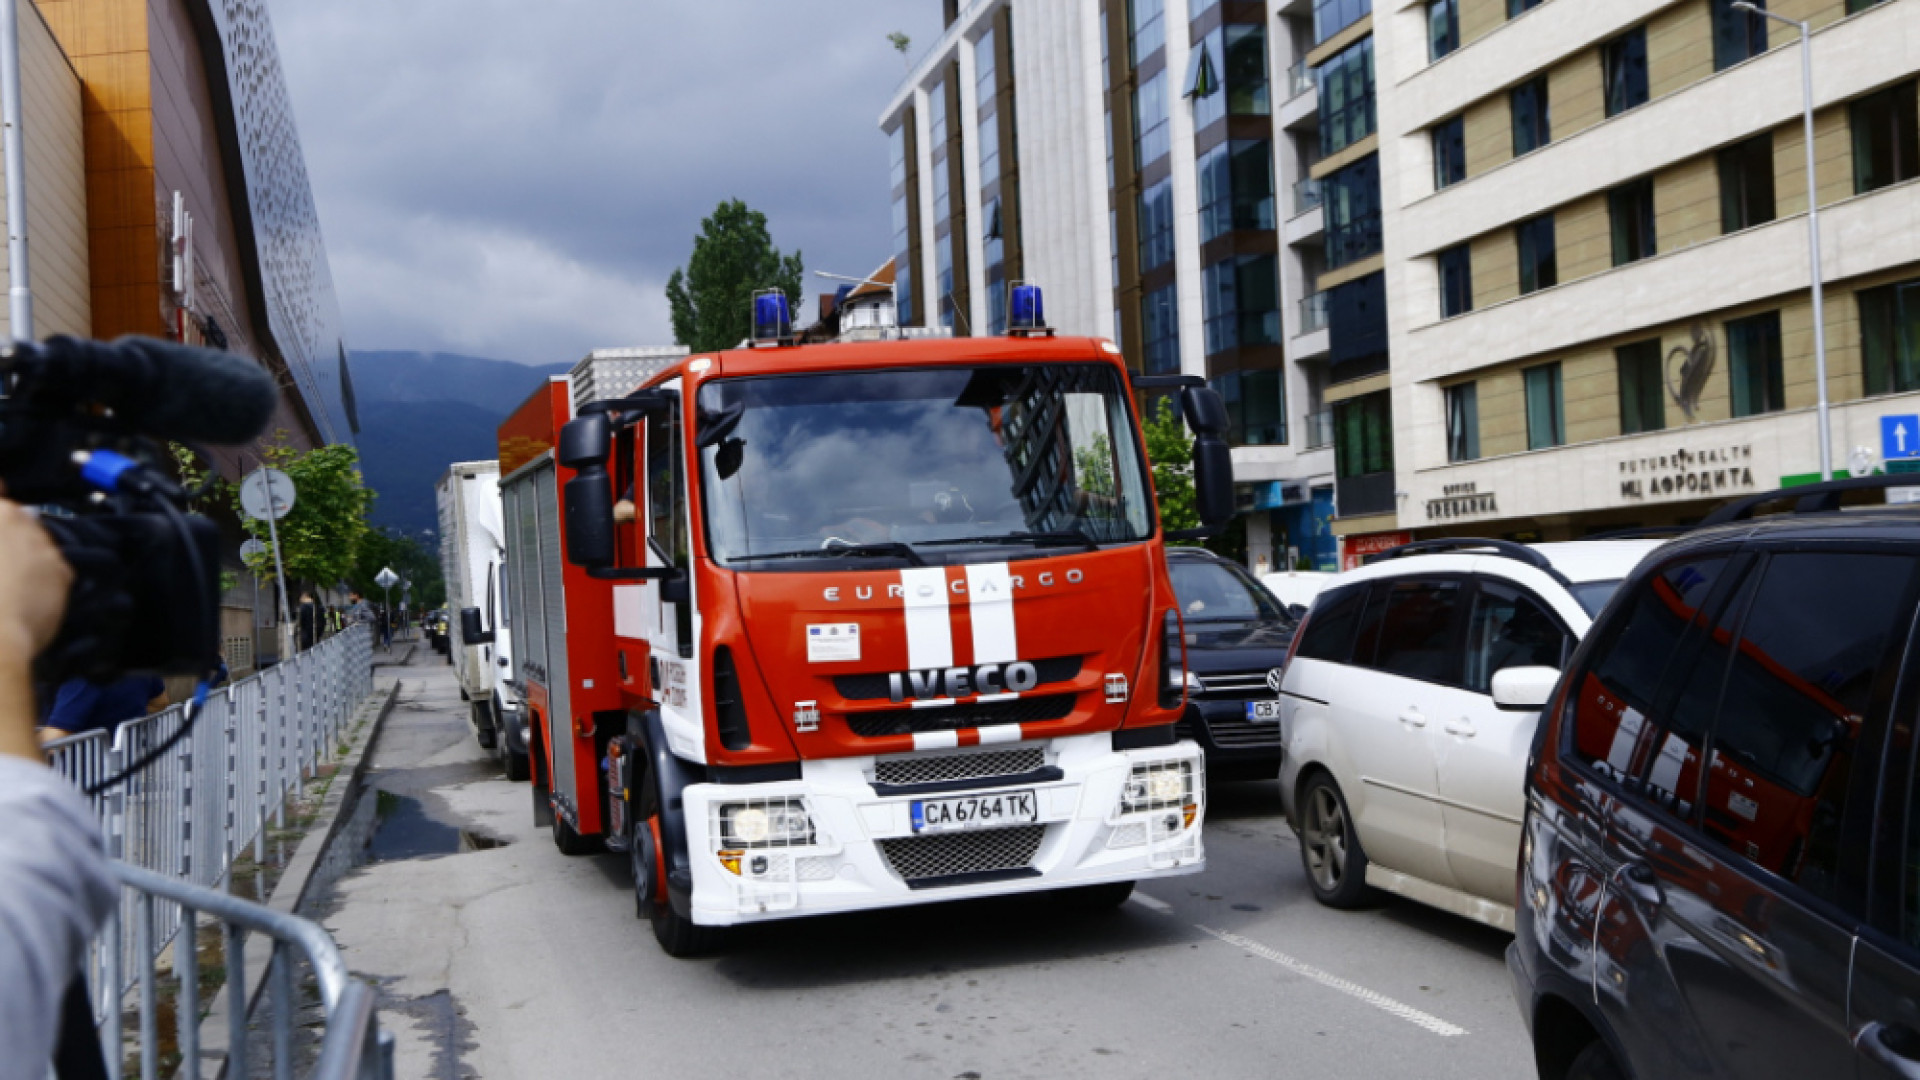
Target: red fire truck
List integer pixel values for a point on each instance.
(823, 628)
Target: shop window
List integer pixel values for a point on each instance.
(1539, 267)
(1737, 35)
(1546, 411)
(1456, 281)
(1890, 337)
(1884, 146)
(1532, 125)
(1443, 27)
(1463, 422)
(1630, 207)
(1346, 97)
(1624, 61)
(1753, 348)
(1449, 152)
(1642, 388)
(1746, 184)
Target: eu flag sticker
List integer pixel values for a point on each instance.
(829, 643)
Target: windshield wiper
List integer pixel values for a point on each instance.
(878, 548)
(1065, 538)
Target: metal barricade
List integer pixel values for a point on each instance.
(352, 1046)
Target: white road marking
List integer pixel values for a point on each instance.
(1152, 904)
(1334, 982)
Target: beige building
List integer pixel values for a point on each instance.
(1594, 239)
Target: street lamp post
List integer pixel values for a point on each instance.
(1813, 232)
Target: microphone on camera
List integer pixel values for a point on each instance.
(163, 389)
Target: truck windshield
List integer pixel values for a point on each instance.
(897, 463)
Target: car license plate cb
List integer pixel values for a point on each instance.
(976, 811)
(1263, 711)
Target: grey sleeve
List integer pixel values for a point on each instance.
(55, 892)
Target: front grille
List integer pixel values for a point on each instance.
(873, 686)
(1236, 684)
(935, 769)
(1025, 710)
(1238, 731)
(917, 858)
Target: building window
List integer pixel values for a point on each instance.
(1356, 314)
(1160, 332)
(1332, 16)
(1363, 436)
(1884, 149)
(1151, 137)
(1236, 188)
(1241, 88)
(1517, 8)
(937, 113)
(943, 267)
(1630, 206)
(1532, 126)
(1147, 31)
(1352, 202)
(1855, 7)
(1456, 281)
(1463, 422)
(1753, 345)
(1538, 267)
(1156, 225)
(1624, 61)
(1443, 27)
(1642, 390)
(1449, 152)
(1890, 337)
(1256, 407)
(1546, 413)
(942, 198)
(1346, 98)
(1737, 35)
(897, 148)
(1241, 303)
(1746, 184)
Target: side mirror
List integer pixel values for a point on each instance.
(589, 518)
(1205, 410)
(1524, 688)
(1298, 611)
(472, 632)
(1212, 480)
(585, 440)
(676, 590)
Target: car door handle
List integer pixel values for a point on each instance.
(1463, 727)
(1414, 717)
(1872, 1043)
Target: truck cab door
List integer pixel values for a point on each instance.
(669, 624)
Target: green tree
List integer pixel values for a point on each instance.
(406, 556)
(320, 536)
(733, 258)
(1170, 449)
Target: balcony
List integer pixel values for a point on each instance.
(1313, 314)
(1319, 425)
(1307, 194)
(1299, 79)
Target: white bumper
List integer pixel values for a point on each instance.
(1087, 838)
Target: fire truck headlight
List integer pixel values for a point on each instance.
(1158, 786)
(765, 823)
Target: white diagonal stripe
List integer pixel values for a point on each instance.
(929, 626)
(1328, 979)
(990, 603)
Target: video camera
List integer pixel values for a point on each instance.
(82, 433)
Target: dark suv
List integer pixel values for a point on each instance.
(1237, 638)
(1720, 857)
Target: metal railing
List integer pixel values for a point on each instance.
(1320, 429)
(189, 815)
(1307, 194)
(1299, 79)
(353, 1046)
(1313, 313)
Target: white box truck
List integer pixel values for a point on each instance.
(472, 545)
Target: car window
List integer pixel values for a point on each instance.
(1418, 636)
(1330, 625)
(1593, 595)
(1507, 629)
(1814, 652)
(1212, 590)
(1632, 660)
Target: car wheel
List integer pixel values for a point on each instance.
(1596, 1062)
(1329, 848)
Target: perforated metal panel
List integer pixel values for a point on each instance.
(918, 858)
(553, 611)
(936, 768)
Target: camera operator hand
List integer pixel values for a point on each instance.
(55, 885)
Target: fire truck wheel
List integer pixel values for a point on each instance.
(1097, 897)
(680, 938)
(572, 843)
(515, 765)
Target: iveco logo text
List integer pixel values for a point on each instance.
(957, 682)
(958, 587)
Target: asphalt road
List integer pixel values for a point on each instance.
(499, 957)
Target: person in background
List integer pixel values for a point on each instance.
(56, 887)
(308, 620)
(80, 706)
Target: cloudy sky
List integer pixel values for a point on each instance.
(517, 178)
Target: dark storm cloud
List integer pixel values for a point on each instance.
(517, 178)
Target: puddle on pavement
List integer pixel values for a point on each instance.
(402, 829)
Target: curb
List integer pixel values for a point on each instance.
(291, 889)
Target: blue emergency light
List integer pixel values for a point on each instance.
(1025, 311)
(772, 318)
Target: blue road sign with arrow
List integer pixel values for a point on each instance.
(1899, 437)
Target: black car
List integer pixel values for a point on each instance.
(1720, 857)
(1237, 638)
